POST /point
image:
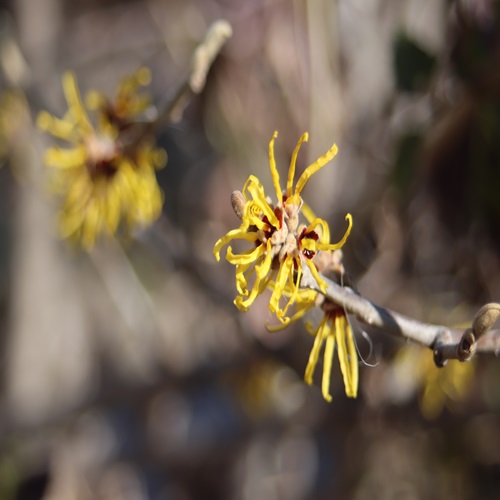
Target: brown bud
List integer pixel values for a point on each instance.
(238, 203)
(485, 318)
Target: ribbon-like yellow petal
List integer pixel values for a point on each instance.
(353, 357)
(257, 192)
(274, 171)
(241, 279)
(293, 163)
(308, 212)
(75, 105)
(279, 285)
(314, 354)
(231, 235)
(65, 158)
(340, 244)
(327, 362)
(314, 167)
(321, 283)
(345, 367)
(246, 257)
(261, 277)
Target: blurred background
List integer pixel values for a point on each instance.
(127, 372)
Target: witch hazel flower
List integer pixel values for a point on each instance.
(280, 243)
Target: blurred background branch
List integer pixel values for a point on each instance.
(447, 343)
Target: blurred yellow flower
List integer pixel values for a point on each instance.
(281, 245)
(437, 386)
(127, 102)
(103, 180)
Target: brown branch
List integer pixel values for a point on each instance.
(201, 62)
(447, 343)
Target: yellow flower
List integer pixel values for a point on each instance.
(127, 103)
(437, 386)
(281, 245)
(333, 329)
(103, 180)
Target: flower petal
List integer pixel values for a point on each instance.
(353, 358)
(279, 285)
(345, 368)
(75, 105)
(231, 235)
(340, 244)
(308, 213)
(293, 162)
(327, 362)
(294, 284)
(246, 257)
(255, 188)
(314, 167)
(274, 171)
(241, 279)
(65, 158)
(314, 354)
(262, 279)
(321, 283)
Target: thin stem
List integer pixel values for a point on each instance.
(447, 343)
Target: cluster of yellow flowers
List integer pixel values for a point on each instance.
(103, 179)
(107, 179)
(281, 246)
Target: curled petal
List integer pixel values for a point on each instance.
(252, 215)
(302, 298)
(257, 192)
(243, 305)
(314, 167)
(241, 279)
(285, 321)
(246, 257)
(262, 279)
(231, 235)
(340, 244)
(325, 230)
